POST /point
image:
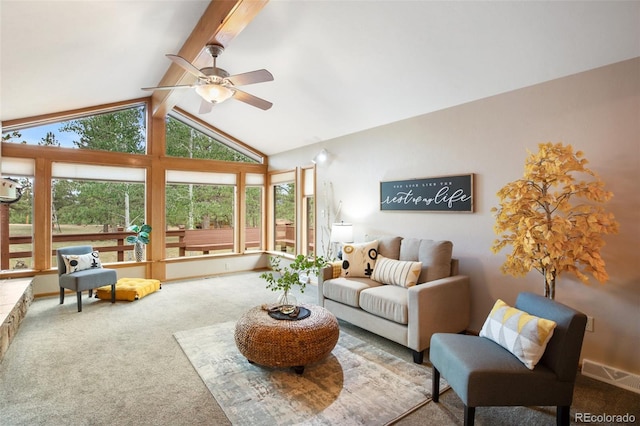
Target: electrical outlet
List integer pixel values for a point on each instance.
(226, 266)
(589, 326)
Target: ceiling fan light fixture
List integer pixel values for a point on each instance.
(214, 93)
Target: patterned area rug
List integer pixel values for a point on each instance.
(356, 384)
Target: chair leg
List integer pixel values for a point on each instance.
(435, 385)
(79, 294)
(418, 357)
(469, 414)
(113, 293)
(563, 415)
(61, 295)
(90, 292)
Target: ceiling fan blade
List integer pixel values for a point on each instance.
(186, 65)
(189, 86)
(205, 107)
(251, 100)
(252, 77)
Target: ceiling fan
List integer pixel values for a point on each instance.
(215, 85)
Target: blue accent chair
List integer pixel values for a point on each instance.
(87, 279)
(484, 374)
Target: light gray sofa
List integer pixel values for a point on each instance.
(440, 302)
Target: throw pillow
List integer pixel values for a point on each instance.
(80, 262)
(358, 260)
(396, 272)
(436, 259)
(525, 336)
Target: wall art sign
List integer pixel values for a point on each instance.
(438, 194)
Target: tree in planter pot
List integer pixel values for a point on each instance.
(284, 278)
(139, 240)
(548, 230)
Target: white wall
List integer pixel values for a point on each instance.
(597, 112)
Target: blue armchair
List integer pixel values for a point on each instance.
(483, 374)
(86, 279)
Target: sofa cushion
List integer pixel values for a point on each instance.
(526, 336)
(436, 260)
(389, 247)
(396, 272)
(359, 259)
(387, 301)
(347, 290)
(80, 262)
(409, 249)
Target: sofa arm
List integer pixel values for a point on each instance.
(439, 306)
(332, 270)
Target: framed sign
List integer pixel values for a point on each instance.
(438, 194)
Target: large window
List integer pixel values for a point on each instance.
(253, 219)
(284, 207)
(200, 213)
(75, 195)
(187, 139)
(94, 205)
(122, 130)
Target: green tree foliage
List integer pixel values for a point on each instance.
(285, 202)
(186, 142)
(119, 131)
(254, 207)
(13, 137)
(49, 140)
(200, 206)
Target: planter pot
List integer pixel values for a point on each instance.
(138, 251)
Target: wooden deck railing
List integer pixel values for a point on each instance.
(221, 238)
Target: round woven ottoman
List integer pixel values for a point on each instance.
(287, 343)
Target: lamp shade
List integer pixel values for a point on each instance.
(341, 233)
(215, 93)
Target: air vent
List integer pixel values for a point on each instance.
(621, 379)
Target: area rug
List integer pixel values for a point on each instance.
(357, 384)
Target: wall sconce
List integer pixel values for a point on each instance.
(321, 157)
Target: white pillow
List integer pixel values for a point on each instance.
(80, 262)
(525, 336)
(358, 260)
(396, 272)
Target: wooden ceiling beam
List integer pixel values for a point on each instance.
(221, 22)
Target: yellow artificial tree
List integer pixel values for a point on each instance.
(549, 230)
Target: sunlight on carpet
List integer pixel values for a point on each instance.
(356, 384)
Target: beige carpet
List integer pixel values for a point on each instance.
(357, 384)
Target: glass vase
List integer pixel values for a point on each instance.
(287, 302)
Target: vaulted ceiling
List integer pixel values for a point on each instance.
(339, 66)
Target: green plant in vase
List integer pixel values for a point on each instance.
(139, 240)
(283, 278)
